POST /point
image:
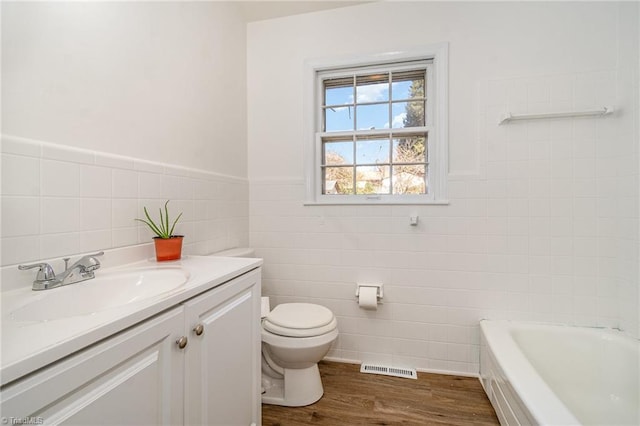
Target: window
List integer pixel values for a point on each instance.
(379, 131)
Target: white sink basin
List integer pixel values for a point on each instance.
(107, 291)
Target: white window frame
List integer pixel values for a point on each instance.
(437, 125)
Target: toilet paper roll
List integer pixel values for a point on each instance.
(368, 298)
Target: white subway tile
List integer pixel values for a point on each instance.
(60, 179)
(150, 185)
(518, 150)
(539, 91)
(584, 207)
(125, 184)
(60, 215)
(95, 214)
(58, 245)
(585, 148)
(561, 88)
(411, 347)
(518, 207)
(173, 187)
(124, 211)
(518, 225)
(20, 249)
(20, 216)
(121, 237)
(20, 175)
(95, 240)
(95, 181)
(585, 226)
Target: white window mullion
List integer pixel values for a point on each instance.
(353, 166)
(395, 133)
(355, 104)
(391, 163)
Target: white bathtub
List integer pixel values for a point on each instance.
(560, 375)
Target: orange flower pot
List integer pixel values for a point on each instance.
(168, 248)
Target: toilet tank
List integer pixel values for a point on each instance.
(237, 252)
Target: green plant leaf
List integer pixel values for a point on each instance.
(166, 217)
(174, 224)
(161, 228)
(152, 224)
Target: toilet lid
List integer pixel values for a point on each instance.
(300, 320)
(300, 316)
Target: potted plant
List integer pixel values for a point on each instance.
(168, 246)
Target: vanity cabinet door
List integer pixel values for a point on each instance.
(134, 377)
(222, 360)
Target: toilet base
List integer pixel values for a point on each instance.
(298, 388)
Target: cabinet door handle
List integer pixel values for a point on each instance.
(199, 329)
(182, 342)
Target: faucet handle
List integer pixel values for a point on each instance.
(45, 273)
(96, 262)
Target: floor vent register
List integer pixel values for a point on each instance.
(407, 373)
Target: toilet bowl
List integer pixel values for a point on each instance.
(295, 337)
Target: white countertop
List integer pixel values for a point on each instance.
(28, 346)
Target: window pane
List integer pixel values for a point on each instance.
(409, 179)
(372, 180)
(338, 91)
(373, 117)
(401, 90)
(408, 114)
(338, 95)
(410, 149)
(372, 88)
(408, 85)
(336, 119)
(337, 180)
(338, 153)
(399, 116)
(373, 151)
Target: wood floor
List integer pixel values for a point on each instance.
(354, 398)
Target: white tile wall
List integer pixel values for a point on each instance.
(59, 201)
(548, 231)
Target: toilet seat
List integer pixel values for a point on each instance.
(299, 320)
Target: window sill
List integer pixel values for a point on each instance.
(377, 203)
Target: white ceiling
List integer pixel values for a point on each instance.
(260, 10)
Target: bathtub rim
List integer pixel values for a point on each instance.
(540, 401)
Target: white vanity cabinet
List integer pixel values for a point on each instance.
(134, 377)
(143, 376)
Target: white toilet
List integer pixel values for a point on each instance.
(295, 337)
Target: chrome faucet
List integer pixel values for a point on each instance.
(81, 270)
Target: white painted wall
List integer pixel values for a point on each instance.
(111, 106)
(132, 78)
(543, 218)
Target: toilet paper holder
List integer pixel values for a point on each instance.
(379, 289)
